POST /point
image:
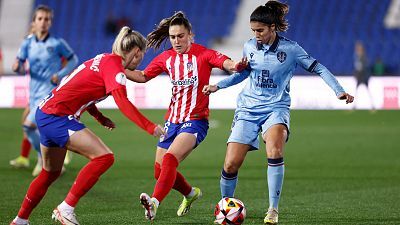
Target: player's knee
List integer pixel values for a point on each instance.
(48, 177)
(28, 129)
(106, 161)
(231, 167)
(110, 159)
(275, 152)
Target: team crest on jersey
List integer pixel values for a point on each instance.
(251, 55)
(50, 49)
(120, 78)
(281, 56)
(189, 66)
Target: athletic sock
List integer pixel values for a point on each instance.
(167, 177)
(33, 137)
(191, 193)
(275, 174)
(180, 184)
(228, 184)
(25, 147)
(87, 177)
(36, 192)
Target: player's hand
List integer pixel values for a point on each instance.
(347, 97)
(17, 67)
(106, 122)
(241, 65)
(54, 79)
(208, 89)
(158, 131)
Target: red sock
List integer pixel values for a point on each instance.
(87, 177)
(180, 184)
(167, 177)
(25, 147)
(36, 192)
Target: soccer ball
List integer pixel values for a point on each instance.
(230, 211)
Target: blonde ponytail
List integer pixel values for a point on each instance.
(126, 40)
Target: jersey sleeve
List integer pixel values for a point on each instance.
(156, 67)
(23, 51)
(303, 59)
(113, 74)
(312, 66)
(65, 50)
(216, 59)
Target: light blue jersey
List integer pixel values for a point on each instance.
(265, 99)
(270, 71)
(45, 60)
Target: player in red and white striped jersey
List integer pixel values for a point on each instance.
(58, 121)
(189, 67)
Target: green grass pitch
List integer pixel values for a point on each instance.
(342, 167)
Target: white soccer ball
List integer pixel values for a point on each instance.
(230, 211)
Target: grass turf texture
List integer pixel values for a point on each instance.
(342, 167)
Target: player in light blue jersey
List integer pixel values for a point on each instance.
(44, 54)
(263, 104)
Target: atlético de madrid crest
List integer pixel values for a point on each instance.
(281, 56)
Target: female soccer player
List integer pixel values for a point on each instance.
(59, 126)
(189, 67)
(263, 104)
(43, 52)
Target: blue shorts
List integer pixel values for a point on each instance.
(247, 125)
(56, 130)
(197, 127)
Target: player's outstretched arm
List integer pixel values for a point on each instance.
(136, 76)
(345, 96)
(130, 111)
(231, 66)
(105, 121)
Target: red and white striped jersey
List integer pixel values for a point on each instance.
(91, 82)
(188, 72)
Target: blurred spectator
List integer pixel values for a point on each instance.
(361, 71)
(113, 25)
(110, 25)
(360, 64)
(378, 68)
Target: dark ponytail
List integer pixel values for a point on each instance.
(157, 36)
(273, 12)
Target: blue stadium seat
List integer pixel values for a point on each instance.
(326, 30)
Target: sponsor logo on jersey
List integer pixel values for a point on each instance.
(281, 56)
(185, 82)
(185, 125)
(264, 81)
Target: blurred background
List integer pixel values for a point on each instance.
(328, 31)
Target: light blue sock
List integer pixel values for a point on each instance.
(33, 137)
(228, 183)
(276, 170)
